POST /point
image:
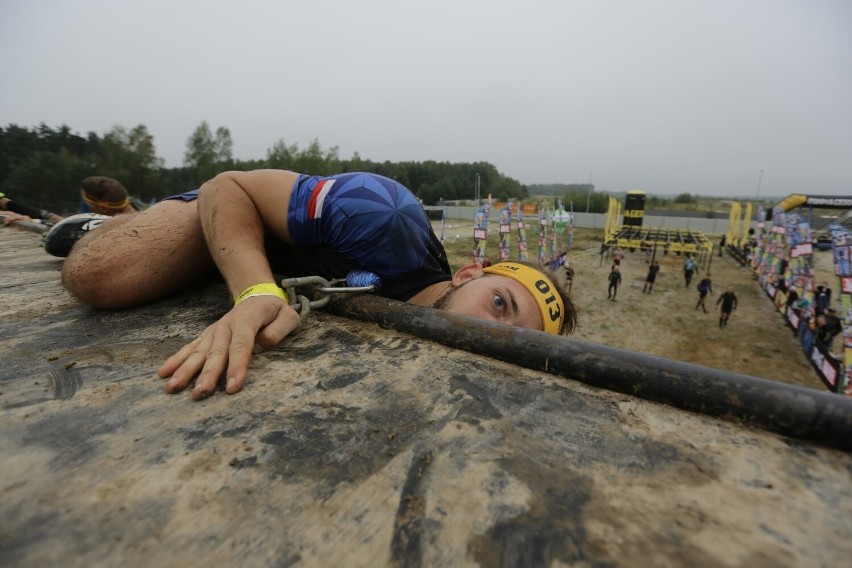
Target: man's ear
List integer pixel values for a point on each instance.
(469, 272)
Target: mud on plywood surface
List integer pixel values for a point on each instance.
(353, 445)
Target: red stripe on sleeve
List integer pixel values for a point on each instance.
(312, 204)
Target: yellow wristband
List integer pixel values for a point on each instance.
(261, 290)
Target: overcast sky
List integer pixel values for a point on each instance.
(668, 96)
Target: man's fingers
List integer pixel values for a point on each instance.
(214, 364)
(286, 320)
(192, 359)
(181, 367)
(228, 345)
(239, 355)
(283, 325)
(172, 363)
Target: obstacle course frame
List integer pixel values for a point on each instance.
(632, 235)
(668, 239)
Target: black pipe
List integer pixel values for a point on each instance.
(789, 410)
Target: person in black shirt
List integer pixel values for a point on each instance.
(829, 328)
(614, 281)
(792, 298)
(652, 276)
(705, 286)
(729, 303)
(822, 298)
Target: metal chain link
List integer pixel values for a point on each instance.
(326, 288)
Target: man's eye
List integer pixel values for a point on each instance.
(499, 303)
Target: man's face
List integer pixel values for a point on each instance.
(495, 298)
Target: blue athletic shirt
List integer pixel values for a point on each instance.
(358, 221)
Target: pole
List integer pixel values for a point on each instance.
(589, 192)
(785, 409)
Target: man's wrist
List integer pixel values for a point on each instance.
(262, 289)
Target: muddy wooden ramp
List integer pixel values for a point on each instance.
(358, 445)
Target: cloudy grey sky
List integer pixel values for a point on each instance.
(668, 96)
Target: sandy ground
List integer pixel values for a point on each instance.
(757, 341)
(354, 445)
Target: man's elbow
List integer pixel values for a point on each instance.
(221, 181)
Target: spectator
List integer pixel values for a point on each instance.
(829, 327)
(822, 298)
(793, 300)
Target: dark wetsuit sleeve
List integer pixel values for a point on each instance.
(22, 209)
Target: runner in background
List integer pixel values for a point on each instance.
(704, 287)
(729, 303)
(651, 277)
(614, 280)
(688, 269)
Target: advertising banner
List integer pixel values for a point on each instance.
(841, 242)
(505, 230)
(480, 234)
(784, 265)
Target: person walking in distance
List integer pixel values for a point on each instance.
(617, 255)
(704, 287)
(614, 281)
(688, 269)
(729, 303)
(651, 277)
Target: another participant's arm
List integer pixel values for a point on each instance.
(30, 212)
(10, 217)
(236, 210)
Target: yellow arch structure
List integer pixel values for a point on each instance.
(819, 201)
(746, 222)
(612, 215)
(792, 201)
(733, 236)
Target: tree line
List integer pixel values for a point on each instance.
(42, 166)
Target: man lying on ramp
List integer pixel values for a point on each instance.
(251, 225)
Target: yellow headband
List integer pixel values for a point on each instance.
(117, 205)
(542, 289)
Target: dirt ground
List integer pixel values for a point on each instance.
(756, 341)
(355, 445)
